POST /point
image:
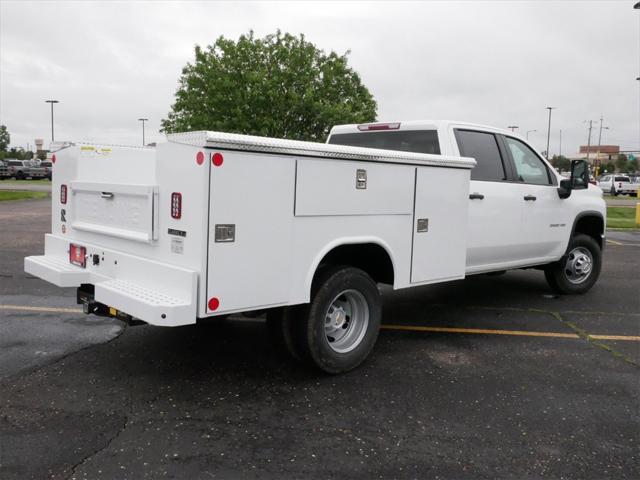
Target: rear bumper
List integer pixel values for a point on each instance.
(157, 293)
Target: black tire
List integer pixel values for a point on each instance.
(281, 332)
(20, 176)
(562, 277)
(359, 298)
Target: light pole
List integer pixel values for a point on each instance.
(51, 102)
(549, 129)
(530, 131)
(143, 120)
(513, 127)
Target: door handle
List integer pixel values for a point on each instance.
(530, 198)
(476, 196)
(106, 194)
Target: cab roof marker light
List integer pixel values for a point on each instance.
(379, 126)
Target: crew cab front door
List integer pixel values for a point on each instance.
(545, 218)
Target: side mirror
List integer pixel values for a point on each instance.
(579, 175)
(579, 179)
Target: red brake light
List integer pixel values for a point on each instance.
(63, 194)
(176, 205)
(379, 126)
(77, 255)
(53, 158)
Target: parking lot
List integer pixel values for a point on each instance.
(492, 377)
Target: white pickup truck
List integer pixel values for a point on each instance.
(618, 185)
(211, 223)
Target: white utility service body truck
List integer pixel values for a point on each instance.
(212, 223)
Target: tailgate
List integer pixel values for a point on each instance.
(118, 210)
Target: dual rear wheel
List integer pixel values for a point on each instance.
(338, 329)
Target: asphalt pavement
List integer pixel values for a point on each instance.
(491, 377)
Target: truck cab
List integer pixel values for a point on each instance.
(516, 217)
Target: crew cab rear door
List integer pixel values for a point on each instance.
(495, 215)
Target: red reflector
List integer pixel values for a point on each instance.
(63, 194)
(78, 255)
(199, 158)
(379, 126)
(176, 205)
(214, 303)
(217, 159)
(53, 159)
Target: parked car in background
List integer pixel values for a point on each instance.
(36, 169)
(47, 165)
(634, 183)
(4, 171)
(23, 169)
(617, 185)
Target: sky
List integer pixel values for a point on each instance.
(492, 62)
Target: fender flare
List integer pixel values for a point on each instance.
(338, 242)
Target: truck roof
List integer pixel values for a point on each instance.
(232, 141)
(419, 125)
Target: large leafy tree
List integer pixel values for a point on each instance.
(277, 86)
(5, 138)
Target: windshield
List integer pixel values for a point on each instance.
(417, 141)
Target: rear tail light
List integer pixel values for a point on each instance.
(63, 194)
(379, 126)
(176, 205)
(77, 255)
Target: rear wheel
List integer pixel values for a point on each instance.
(579, 269)
(20, 176)
(281, 332)
(342, 322)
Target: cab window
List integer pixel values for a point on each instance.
(529, 167)
(483, 146)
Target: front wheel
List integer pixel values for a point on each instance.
(579, 269)
(342, 322)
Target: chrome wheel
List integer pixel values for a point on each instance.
(346, 321)
(579, 265)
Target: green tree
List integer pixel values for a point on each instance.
(277, 86)
(5, 138)
(621, 162)
(610, 167)
(632, 165)
(561, 162)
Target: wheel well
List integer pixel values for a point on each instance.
(591, 225)
(370, 257)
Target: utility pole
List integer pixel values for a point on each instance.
(143, 120)
(602, 127)
(589, 139)
(513, 127)
(51, 102)
(560, 152)
(549, 130)
(530, 131)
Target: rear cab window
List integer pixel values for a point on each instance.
(622, 179)
(416, 141)
(483, 146)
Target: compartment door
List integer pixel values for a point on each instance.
(251, 214)
(440, 224)
(115, 210)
